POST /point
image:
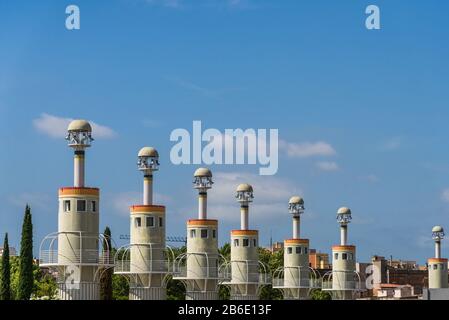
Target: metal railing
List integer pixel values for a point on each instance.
(85, 256)
(143, 266)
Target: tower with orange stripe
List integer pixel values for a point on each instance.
(144, 260)
(198, 268)
(437, 266)
(248, 275)
(343, 281)
(75, 250)
(294, 278)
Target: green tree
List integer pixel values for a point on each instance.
(5, 273)
(272, 261)
(318, 294)
(120, 287)
(106, 291)
(26, 280)
(175, 288)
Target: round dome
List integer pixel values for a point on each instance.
(344, 210)
(437, 229)
(296, 200)
(79, 125)
(244, 187)
(148, 152)
(202, 172)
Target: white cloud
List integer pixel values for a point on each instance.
(56, 127)
(392, 144)
(271, 196)
(445, 195)
(122, 201)
(327, 166)
(307, 149)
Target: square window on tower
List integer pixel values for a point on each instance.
(289, 250)
(161, 222)
(150, 221)
(236, 242)
(67, 205)
(94, 206)
(192, 233)
(138, 222)
(81, 205)
(298, 250)
(246, 242)
(254, 243)
(204, 233)
(214, 233)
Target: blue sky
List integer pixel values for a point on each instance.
(362, 114)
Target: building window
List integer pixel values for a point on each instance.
(94, 206)
(81, 205)
(203, 233)
(336, 256)
(138, 222)
(254, 243)
(306, 250)
(298, 250)
(150, 221)
(351, 256)
(193, 233)
(236, 242)
(161, 222)
(289, 250)
(344, 256)
(66, 205)
(214, 233)
(246, 242)
(434, 267)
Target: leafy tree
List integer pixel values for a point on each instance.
(272, 261)
(318, 294)
(106, 290)
(175, 288)
(26, 280)
(5, 273)
(120, 287)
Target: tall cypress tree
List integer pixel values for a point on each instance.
(106, 273)
(26, 280)
(5, 277)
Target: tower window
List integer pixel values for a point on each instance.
(66, 205)
(138, 222)
(306, 250)
(94, 206)
(236, 242)
(336, 256)
(246, 242)
(254, 243)
(289, 250)
(203, 233)
(298, 250)
(150, 221)
(81, 205)
(344, 256)
(434, 267)
(193, 233)
(161, 222)
(351, 257)
(214, 233)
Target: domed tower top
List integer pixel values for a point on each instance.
(202, 179)
(245, 193)
(79, 134)
(437, 233)
(344, 215)
(148, 160)
(296, 205)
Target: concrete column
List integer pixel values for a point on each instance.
(343, 235)
(148, 190)
(244, 217)
(78, 172)
(437, 249)
(296, 227)
(202, 206)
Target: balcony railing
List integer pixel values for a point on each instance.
(143, 266)
(198, 272)
(296, 284)
(86, 257)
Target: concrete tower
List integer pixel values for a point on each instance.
(198, 269)
(246, 279)
(438, 276)
(295, 279)
(75, 249)
(343, 280)
(144, 260)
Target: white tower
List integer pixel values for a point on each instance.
(144, 260)
(198, 269)
(296, 278)
(246, 278)
(75, 249)
(438, 275)
(343, 280)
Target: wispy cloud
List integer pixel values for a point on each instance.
(271, 195)
(327, 166)
(445, 195)
(307, 149)
(56, 127)
(121, 201)
(392, 144)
